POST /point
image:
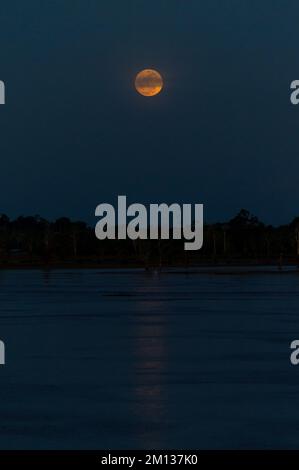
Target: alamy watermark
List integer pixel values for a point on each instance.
(160, 221)
(295, 92)
(294, 357)
(2, 92)
(2, 353)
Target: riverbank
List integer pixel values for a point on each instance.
(242, 266)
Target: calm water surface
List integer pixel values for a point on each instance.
(99, 359)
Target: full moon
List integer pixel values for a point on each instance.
(149, 82)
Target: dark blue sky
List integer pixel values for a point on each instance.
(74, 132)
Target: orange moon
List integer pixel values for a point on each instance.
(149, 82)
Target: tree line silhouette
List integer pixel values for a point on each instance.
(35, 241)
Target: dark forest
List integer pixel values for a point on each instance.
(35, 242)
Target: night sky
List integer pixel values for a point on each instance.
(74, 132)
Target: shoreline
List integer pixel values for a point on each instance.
(240, 267)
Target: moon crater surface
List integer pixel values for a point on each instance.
(149, 82)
